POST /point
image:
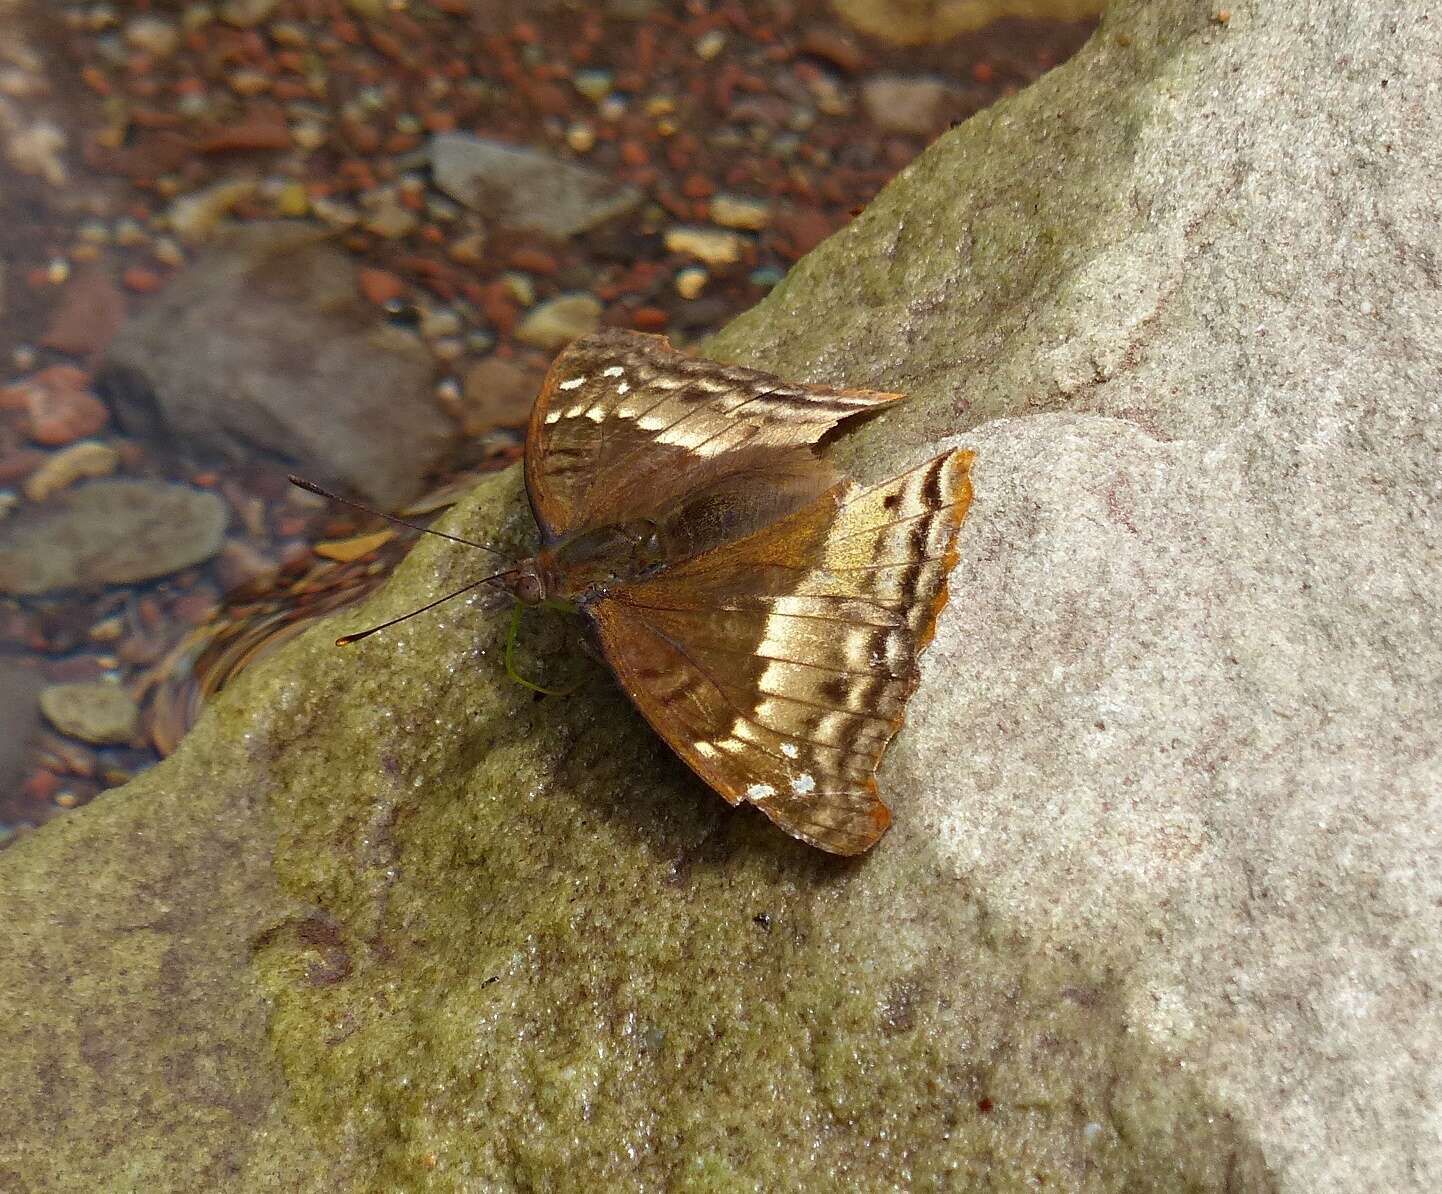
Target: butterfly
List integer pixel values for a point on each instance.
(763, 613)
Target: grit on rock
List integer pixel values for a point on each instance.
(263, 350)
(108, 532)
(1160, 910)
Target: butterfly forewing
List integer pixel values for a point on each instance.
(778, 665)
(625, 427)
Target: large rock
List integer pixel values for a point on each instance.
(264, 351)
(1160, 910)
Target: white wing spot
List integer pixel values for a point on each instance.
(613, 371)
(624, 388)
(760, 791)
(554, 417)
(789, 750)
(574, 383)
(804, 785)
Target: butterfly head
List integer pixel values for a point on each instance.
(527, 581)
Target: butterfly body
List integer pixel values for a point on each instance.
(580, 568)
(763, 612)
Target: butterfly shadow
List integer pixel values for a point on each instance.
(602, 757)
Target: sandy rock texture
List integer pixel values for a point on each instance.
(1160, 909)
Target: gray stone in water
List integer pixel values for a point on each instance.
(906, 104)
(525, 189)
(263, 351)
(1161, 907)
(93, 711)
(109, 532)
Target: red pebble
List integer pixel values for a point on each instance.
(59, 405)
(800, 232)
(533, 260)
(142, 281)
(88, 315)
(649, 319)
(697, 186)
(195, 609)
(549, 99)
(380, 286)
(41, 785)
(290, 90)
(389, 45)
(260, 130)
(499, 307)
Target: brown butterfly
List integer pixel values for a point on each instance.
(763, 613)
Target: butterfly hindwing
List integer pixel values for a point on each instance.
(779, 665)
(626, 426)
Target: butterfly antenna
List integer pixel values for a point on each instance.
(346, 639)
(320, 491)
